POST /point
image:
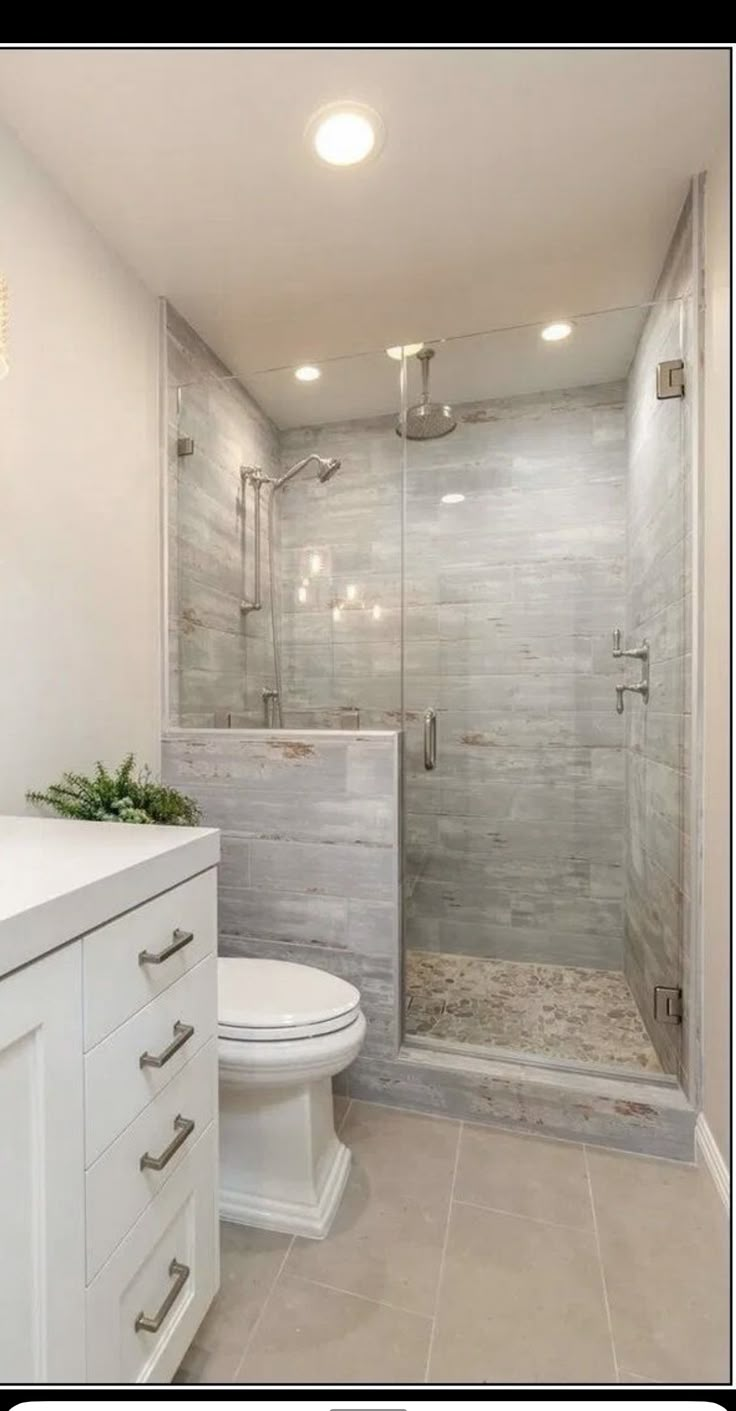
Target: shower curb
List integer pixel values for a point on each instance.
(649, 1119)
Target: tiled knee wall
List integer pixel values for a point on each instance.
(310, 852)
(310, 872)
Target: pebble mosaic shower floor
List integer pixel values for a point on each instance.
(546, 1011)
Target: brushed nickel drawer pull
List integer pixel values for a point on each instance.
(153, 957)
(182, 1032)
(180, 1273)
(183, 1126)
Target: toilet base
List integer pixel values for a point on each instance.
(292, 1217)
(282, 1166)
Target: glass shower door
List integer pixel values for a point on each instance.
(544, 891)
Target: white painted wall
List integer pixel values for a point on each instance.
(716, 637)
(79, 493)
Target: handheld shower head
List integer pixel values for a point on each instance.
(328, 468)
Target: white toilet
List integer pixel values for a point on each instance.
(284, 1031)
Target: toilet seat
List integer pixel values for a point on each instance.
(271, 1001)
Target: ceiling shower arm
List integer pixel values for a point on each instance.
(425, 357)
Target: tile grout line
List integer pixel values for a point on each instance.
(604, 1286)
(521, 1215)
(365, 1297)
(264, 1306)
(445, 1241)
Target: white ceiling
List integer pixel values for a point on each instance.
(514, 185)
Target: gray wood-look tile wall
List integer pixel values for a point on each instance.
(219, 659)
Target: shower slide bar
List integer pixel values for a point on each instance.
(251, 475)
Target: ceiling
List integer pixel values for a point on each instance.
(514, 185)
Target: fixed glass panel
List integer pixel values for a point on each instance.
(545, 895)
(284, 504)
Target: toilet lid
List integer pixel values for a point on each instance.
(278, 999)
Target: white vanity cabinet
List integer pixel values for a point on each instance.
(42, 1335)
(108, 1099)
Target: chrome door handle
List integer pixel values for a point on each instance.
(430, 739)
(179, 1273)
(154, 957)
(183, 1126)
(182, 1033)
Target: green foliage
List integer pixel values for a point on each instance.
(125, 796)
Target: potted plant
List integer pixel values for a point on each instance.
(122, 796)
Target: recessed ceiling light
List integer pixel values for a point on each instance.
(307, 373)
(452, 499)
(343, 134)
(408, 350)
(555, 332)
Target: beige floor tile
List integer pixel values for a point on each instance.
(520, 1301)
(663, 1236)
(386, 1242)
(250, 1261)
(403, 1148)
(524, 1175)
(312, 1334)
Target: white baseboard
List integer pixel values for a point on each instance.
(709, 1150)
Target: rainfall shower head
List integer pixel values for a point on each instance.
(327, 468)
(426, 420)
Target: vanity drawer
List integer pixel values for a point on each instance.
(165, 1271)
(168, 1032)
(137, 956)
(118, 1187)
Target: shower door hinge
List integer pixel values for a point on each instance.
(670, 379)
(667, 1004)
(185, 446)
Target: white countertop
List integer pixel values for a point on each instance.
(60, 878)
